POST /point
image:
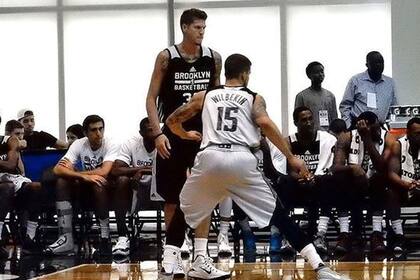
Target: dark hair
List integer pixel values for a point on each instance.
(236, 64)
(312, 65)
(77, 130)
(371, 54)
(143, 123)
(11, 125)
(337, 126)
(91, 119)
(299, 110)
(368, 116)
(188, 16)
(415, 120)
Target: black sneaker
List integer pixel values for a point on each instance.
(377, 245)
(343, 244)
(398, 246)
(30, 246)
(4, 253)
(104, 248)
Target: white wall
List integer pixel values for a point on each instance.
(406, 50)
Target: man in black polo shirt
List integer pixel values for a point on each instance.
(37, 140)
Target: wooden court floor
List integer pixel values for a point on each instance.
(283, 271)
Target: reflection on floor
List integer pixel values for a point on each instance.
(142, 265)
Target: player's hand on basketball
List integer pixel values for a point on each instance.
(192, 135)
(96, 179)
(163, 146)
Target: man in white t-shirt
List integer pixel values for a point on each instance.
(132, 169)
(97, 155)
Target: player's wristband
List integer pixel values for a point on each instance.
(154, 138)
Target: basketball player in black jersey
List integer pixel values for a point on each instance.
(17, 190)
(179, 72)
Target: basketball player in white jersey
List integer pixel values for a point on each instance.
(132, 169)
(227, 164)
(404, 174)
(362, 155)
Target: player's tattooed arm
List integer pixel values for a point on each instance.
(218, 64)
(394, 167)
(184, 113)
(11, 163)
(159, 71)
(342, 150)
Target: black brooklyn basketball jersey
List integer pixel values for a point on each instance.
(182, 80)
(310, 154)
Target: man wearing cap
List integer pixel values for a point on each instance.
(37, 140)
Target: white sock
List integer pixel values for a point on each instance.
(65, 218)
(224, 227)
(1, 229)
(311, 255)
(104, 224)
(397, 226)
(344, 224)
(274, 230)
(377, 223)
(323, 225)
(200, 247)
(170, 255)
(225, 207)
(31, 229)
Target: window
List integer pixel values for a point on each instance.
(28, 68)
(109, 58)
(338, 36)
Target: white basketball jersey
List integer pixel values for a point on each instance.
(227, 117)
(409, 165)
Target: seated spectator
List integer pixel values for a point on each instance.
(320, 100)
(89, 186)
(404, 174)
(131, 169)
(17, 190)
(15, 128)
(360, 159)
(73, 133)
(37, 140)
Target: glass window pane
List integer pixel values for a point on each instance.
(339, 37)
(247, 34)
(28, 68)
(26, 3)
(109, 58)
(99, 2)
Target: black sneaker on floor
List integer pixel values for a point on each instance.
(398, 244)
(4, 253)
(377, 245)
(343, 244)
(104, 248)
(30, 246)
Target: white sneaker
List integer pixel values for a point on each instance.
(179, 268)
(62, 246)
(325, 273)
(223, 247)
(187, 246)
(203, 268)
(169, 262)
(122, 248)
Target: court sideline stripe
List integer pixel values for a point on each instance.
(60, 271)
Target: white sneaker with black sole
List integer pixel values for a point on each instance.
(325, 273)
(62, 246)
(179, 271)
(203, 268)
(223, 247)
(122, 247)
